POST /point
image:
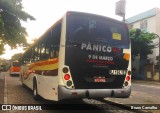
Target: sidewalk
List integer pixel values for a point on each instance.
(142, 94)
(146, 82)
(2, 88)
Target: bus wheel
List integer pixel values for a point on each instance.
(35, 93)
(23, 85)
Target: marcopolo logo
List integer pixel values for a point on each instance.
(6, 107)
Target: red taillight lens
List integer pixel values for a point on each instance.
(128, 78)
(66, 76)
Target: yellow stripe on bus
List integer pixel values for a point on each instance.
(46, 67)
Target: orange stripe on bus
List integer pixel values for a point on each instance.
(46, 62)
(42, 63)
(39, 72)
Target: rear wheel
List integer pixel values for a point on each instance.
(35, 93)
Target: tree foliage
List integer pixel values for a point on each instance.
(17, 56)
(11, 30)
(143, 44)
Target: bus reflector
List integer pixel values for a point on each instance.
(126, 56)
(129, 72)
(74, 93)
(69, 83)
(66, 76)
(128, 78)
(126, 83)
(65, 70)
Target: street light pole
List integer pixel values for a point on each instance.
(121, 9)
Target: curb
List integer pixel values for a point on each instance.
(123, 106)
(5, 91)
(2, 82)
(146, 82)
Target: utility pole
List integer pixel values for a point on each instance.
(121, 9)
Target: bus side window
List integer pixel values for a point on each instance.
(42, 50)
(47, 47)
(55, 41)
(32, 54)
(54, 52)
(36, 58)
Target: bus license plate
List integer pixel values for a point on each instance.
(99, 80)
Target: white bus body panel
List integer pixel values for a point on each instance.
(62, 51)
(47, 87)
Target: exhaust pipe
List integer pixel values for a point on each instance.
(112, 93)
(87, 94)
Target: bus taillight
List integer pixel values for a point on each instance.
(128, 77)
(66, 76)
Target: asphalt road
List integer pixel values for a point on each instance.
(142, 93)
(17, 94)
(1, 89)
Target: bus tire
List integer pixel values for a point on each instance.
(35, 92)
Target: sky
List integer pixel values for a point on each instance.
(47, 12)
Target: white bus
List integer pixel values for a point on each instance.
(81, 56)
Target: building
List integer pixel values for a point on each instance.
(148, 21)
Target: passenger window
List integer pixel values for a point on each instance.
(55, 41)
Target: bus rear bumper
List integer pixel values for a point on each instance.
(64, 93)
(14, 73)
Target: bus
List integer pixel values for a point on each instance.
(82, 55)
(14, 68)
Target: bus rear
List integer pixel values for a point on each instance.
(15, 68)
(97, 61)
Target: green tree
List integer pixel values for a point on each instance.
(11, 30)
(143, 44)
(16, 56)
